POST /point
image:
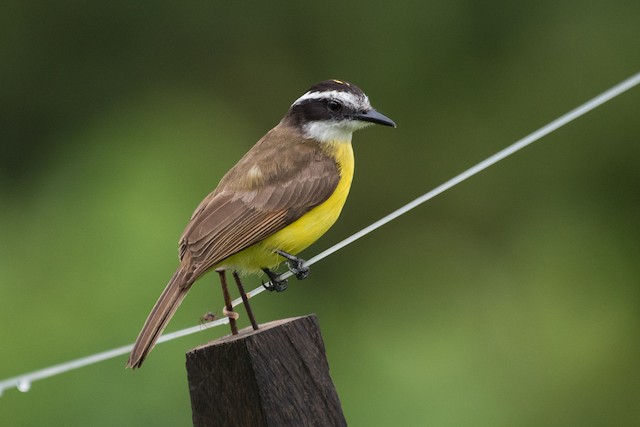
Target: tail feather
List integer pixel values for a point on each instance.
(160, 315)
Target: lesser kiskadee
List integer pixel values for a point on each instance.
(278, 199)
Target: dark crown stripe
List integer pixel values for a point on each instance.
(339, 85)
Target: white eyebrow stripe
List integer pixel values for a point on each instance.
(346, 98)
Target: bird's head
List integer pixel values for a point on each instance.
(332, 110)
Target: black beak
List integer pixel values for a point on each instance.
(374, 117)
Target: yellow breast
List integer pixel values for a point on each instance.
(298, 235)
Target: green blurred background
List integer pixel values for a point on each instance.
(511, 300)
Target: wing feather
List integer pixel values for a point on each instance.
(244, 210)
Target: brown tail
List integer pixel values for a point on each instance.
(160, 315)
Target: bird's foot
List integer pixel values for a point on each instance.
(296, 265)
(275, 282)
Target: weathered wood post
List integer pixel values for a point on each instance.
(275, 376)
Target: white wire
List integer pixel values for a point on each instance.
(23, 382)
(516, 146)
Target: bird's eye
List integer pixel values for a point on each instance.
(334, 106)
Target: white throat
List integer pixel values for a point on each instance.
(331, 130)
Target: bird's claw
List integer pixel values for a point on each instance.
(275, 283)
(296, 265)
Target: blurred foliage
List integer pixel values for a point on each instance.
(509, 300)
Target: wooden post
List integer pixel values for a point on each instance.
(275, 376)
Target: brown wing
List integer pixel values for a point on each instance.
(282, 177)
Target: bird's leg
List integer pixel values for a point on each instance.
(277, 284)
(296, 265)
(245, 300)
(228, 309)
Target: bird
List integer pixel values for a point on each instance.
(280, 197)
